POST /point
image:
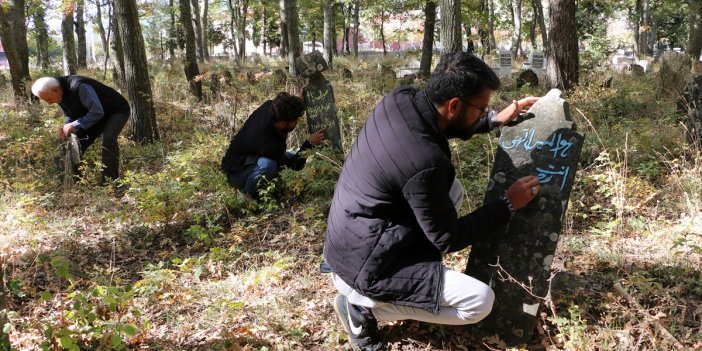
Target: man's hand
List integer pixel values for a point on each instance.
(66, 130)
(317, 137)
(513, 110)
(523, 191)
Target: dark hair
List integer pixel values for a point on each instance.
(461, 75)
(286, 107)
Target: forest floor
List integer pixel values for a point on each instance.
(178, 260)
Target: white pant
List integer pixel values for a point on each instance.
(463, 300)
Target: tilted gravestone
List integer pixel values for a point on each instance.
(548, 146)
(671, 76)
(505, 64)
(537, 62)
(320, 105)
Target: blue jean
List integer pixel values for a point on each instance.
(247, 179)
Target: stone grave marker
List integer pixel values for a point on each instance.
(527, 77)
(505, 64)
(692, 96)
(320, 105)
(549, 147)
(537, 62)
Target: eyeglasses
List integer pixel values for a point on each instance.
(485, 110)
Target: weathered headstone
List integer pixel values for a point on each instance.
(636, 70)
(693, 103)
(527, 77)
(214, 87)
(505, 64)
(228, 77)
(671, 75)
(68, 161)
(549, 147)
(320, 105)
(346, 74)
(607, 83)
(279, 77)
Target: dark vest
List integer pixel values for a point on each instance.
(112, 102)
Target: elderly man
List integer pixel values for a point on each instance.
(395, 207)
(92, 109)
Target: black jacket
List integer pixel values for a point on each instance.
(112, 102)
(391, 217)
(258, 138)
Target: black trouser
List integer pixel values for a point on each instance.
(110, 127)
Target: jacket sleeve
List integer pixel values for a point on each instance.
(90, 100)
(428, 195)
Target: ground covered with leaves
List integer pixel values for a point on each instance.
(175, 259)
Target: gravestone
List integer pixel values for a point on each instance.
(346, 74)
(693, 102)
(636, 70)
(68, 161)
(537, 62)
(214, 87)
(505, 64)
(320, 105)
(549, 147)
(279, 77)
(671, 76)
(527, 77)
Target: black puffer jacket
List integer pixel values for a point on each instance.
(391, 217)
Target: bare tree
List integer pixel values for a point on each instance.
(198, 29)
(205, 30)
(283, 29)
(42, 36)
(239, 10)
(328, 28)
(103, 35)
(428, 42)
(294, 47)
(142, 122)
(80, 34)
(643, 40)
(516, 6)
(118, 73)
(190, 64)
(356, 10)
(16, 16)
(539, 19)
(451, 25)
(70, 66)
(172, 36)
(562, 54)
(13, 59)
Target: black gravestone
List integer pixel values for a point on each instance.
(549, 147)
(319, 98)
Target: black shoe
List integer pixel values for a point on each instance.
(360, 325)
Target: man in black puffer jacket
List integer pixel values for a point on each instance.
(91, 109)
(394, 211)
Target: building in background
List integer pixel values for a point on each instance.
(3, 59)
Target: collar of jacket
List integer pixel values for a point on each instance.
(430, 115)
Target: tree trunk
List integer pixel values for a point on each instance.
(356, 10)
(142, 121)
(335, 49)
(516, 6)
(4, 338)
(103, 36)
(18, 88)
(645, 29)
(42, 36)
(382, 32)
(470, 47)
(117, 53)
(264, 30)
(190, 64)
(539, 18)
(69, 45)
(205, 30)
(347, 30)
(283, 30)
(328, 25)
(562, 53)
(428, 42)
(483, 28)
(491, 24)
(241, 27)
(232, 27)
(451, 25)
(294, 46)
(198, 29)
(17, 20)
(80, 34)
(694, 39)
(172, 34)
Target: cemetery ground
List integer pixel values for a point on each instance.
(175, 259)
